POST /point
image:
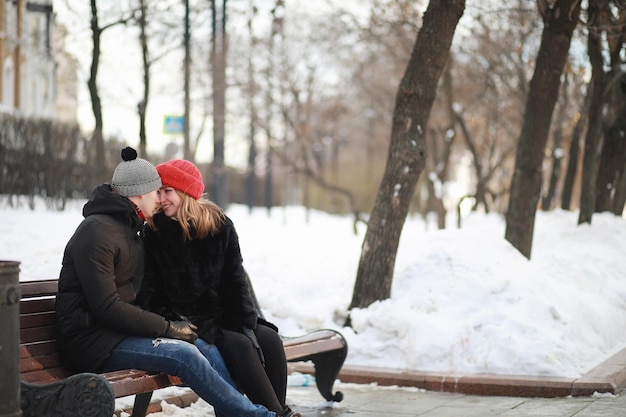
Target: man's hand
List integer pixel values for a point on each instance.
(183, 330)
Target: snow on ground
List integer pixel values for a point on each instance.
(463, 301)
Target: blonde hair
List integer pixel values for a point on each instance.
(205, 216)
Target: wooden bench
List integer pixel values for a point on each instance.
(49, 389)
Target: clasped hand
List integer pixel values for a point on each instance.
(183, 330)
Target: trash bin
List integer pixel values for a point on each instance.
(9, 339)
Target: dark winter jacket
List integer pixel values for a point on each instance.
(201, 279)
(102, 270)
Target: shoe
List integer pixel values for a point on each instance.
(288, 413)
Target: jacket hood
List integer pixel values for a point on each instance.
(104, 200)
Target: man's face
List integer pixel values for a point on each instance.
(149, 203)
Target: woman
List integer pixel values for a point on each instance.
(195, 272)
(99, 329)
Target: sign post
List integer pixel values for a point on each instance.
(173, 124)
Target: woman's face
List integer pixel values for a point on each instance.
(170, 201)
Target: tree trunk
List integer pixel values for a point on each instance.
(557, 151)
(96, 104)
(613, 148)
(187, 153)
(252, 152)
(619, 200)
(439, 159)
(406, 157)
(482, 178)
(275, 29)
(572, 157)
(608, 169)
(219, 179)
(587, 192)
(559, 23)
(143, 104)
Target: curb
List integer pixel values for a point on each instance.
(608, 377)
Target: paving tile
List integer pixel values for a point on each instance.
(553, 407)
(472, 406)
(496, 404)
(607, 406)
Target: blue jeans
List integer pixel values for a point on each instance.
(200, 366)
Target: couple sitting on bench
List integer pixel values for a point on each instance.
(193, 316)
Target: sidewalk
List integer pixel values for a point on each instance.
(377, 401)
(375, 392)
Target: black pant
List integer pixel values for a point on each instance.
(265, 385)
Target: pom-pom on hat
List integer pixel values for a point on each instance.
(134, 176)
(182, 175)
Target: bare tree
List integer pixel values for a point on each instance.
(276, 32)
(252, 148)
(438, 151)
(186, 84)
(573, 153)
(406, 157)
(310, 159)
(557, 145)
(613, 156)
(96, 104)
(560, 19)
(483, 115)
(156, 23)
(145, 56)
(219, 44)
(594, 121)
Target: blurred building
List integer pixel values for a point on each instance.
(38, 77)
(66, 103)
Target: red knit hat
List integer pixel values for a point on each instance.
(183, 176)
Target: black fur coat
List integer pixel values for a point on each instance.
(202, 280)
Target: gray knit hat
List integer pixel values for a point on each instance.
(134, 176)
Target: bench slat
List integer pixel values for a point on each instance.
(30, 320)
(38, 305)
(37, 334)
(45, 375)
(140, 382)
(296, 351)
(39, 288)
(37, 348)
(124, 374)
(38, 363)
(314, 336)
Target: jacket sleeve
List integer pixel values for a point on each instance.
(236, 297)
(94, 261)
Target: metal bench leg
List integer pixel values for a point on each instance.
(327, 367)
(79, 395)
(142, 401)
